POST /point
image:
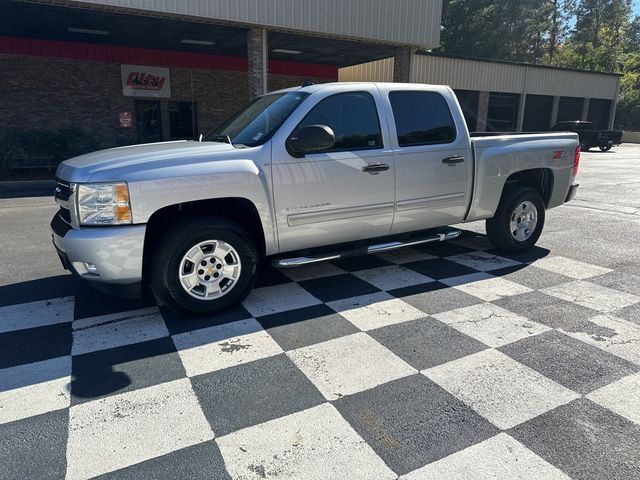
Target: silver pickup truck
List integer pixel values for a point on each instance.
(298, 176)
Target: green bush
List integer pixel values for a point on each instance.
(628, 111)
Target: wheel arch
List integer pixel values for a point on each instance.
(235, 209)
(540, 179)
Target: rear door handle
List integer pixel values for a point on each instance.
(453, 160)
(383, 167)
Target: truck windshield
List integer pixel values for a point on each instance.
(257, 122)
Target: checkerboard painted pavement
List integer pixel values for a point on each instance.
(441, 361)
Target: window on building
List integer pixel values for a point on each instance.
(352, 116)
(468, 100)
(183, 120)
(422, 118)
(503, 112)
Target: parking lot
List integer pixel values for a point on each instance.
(441, 361)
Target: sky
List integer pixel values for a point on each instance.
(636, 7)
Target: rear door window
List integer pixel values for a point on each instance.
(422, 118)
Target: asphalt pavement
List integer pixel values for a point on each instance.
(443, 361)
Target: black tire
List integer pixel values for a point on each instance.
(585, 148)
(605, 148)
(170, 250)
(498, 227)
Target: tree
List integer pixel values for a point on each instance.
(507, 30)
(598, 39)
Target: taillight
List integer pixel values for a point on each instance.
(576, 161)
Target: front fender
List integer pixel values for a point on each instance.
(224, 179)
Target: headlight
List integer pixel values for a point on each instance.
(103, 204)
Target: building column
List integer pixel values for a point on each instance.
(402, 64)
(612, 113)
(258, 61)
(521, 106)
(554, 111)
(585, 109)
(483, 111)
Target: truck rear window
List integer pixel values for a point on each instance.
(422, 118)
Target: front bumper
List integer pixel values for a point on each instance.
(116, 252)
(571, 194)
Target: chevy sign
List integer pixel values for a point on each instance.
(141, 81)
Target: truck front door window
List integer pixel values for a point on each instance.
(352, 116)
(422, 118)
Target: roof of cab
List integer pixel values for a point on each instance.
(321, 86)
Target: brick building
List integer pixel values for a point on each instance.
(80, 75)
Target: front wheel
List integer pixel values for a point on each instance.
(519, 220)
(203, 265)
(605, 148)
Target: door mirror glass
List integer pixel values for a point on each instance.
(313, 138)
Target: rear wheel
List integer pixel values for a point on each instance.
(605, 148)
(519, 220)
(584, 147)
(203, 265)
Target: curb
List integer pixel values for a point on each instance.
(29, 188)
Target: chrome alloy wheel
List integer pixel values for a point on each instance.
(523, 221)
(209, 270)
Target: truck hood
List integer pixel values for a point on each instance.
(122, 162)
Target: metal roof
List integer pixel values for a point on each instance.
(492, 76)
(399, 22)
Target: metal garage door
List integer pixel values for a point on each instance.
(468, 100)
(599, 113)
(503, 112)
(537, 113)
(570, 109)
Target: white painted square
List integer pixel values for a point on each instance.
(502, 390)
(312, 271)
(570, 268)
(348, 365)
(498, 458)
(34, 389)
(392, 276)
(222, 346)
(491, 324)
(621, 397)
(315, 444)
(485, 286)
(376, 310)
(613, 335)
(278, 298)
(405, 255)
(125, 429)
(36, 314)
(115, 330)
(483, 261)
(590, 295)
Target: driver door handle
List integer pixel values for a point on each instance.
(453, 160)
(383, 167)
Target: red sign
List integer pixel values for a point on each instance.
(144, 81)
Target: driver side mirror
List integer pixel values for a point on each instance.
(309, 139)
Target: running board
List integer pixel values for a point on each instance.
(376, 248)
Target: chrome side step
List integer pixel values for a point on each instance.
(376, 248)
